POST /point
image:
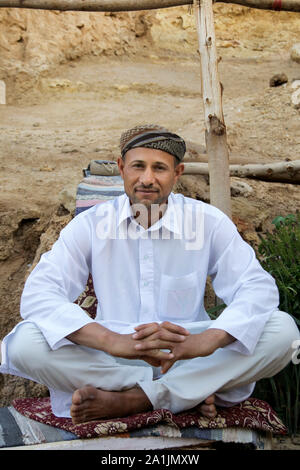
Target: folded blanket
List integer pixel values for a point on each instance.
(31, 421)
(103, 168)
(94, 189)
(250, 414)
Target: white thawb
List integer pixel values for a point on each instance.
(156, 274)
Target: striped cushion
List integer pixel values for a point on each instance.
(94, 189)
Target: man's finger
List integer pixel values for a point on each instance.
(146, 325)
(166, 365)
(153, 344)
(167, 337)
(166, 331)
(163, 335)
(158, 355)
(174, 328)
(143, 331)
(165, 325)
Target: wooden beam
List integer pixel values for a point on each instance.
(92, 5)
(215, 135)
(134, 5)
(280, 172)
(284, 5)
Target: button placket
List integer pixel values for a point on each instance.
(146, 278)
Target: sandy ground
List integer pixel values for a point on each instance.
(77, 112)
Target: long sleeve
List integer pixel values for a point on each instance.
(249, 292)
(56, 282)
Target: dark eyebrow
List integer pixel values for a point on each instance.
(143, 162)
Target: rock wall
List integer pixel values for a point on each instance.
(236, 27)
(34, 41)
(39, 37)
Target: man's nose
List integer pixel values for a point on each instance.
(147, 177)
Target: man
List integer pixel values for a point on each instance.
(152, 345)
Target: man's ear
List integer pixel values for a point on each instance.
(120, 163)
(179, 170)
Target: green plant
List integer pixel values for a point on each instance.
(214, 312)
(279, 254)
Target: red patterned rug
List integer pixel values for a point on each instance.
(252, 414)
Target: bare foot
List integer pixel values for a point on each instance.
(90, 403)
(208, 407)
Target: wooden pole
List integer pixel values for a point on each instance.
(284, 5)
(216, 140)
(133, 5)
(282, 172)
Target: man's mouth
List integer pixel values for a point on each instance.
(146, 191)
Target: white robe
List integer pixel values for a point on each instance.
(149, 275)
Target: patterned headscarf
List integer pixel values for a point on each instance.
(155, 137)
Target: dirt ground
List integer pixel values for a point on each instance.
(76, 112)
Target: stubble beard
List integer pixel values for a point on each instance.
(155, 208)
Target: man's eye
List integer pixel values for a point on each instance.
(137, 165)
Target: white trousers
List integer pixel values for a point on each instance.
(229, 374)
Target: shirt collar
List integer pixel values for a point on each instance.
(124, 209)
(169, 220)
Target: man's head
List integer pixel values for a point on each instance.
(155, 137)
(150, 163)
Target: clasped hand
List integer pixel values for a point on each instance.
(162, 344)
(153, 339)
(159, 343)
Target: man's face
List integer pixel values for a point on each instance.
(149, 175)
